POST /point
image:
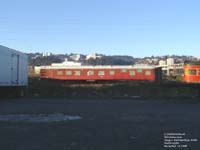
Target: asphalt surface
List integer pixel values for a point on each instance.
(102, 124)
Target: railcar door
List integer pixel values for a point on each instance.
(14, 69)
(158, 75)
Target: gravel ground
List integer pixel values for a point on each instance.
(44, 124)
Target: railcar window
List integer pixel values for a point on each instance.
(59, 72)
(112, 72)
(180, 71)
(139, 70)
(68, 72)
(101, 73)
(147, 72)
(192, 71)
(131, 72)
(199, 72)
(90, 73)
(77, 72)
(123, 70)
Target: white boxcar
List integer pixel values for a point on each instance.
(13, 69)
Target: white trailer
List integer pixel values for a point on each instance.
(13, 71)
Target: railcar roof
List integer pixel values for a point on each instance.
(193, 64)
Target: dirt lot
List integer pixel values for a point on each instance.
(104, 124)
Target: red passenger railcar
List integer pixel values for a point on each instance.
(191, 73)
(102, 73)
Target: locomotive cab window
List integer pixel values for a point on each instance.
(101, 73)
(90, 73)
(147, 72)
(68, 72)
(192, 71)
(131, 72)
(112, 72)
(59, 72)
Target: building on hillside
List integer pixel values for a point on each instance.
(45, 54)
(92, 56)
(75, 57)
(170, 61)
(162, 63)
(66, 63)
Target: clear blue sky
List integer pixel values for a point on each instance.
(130, 27)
